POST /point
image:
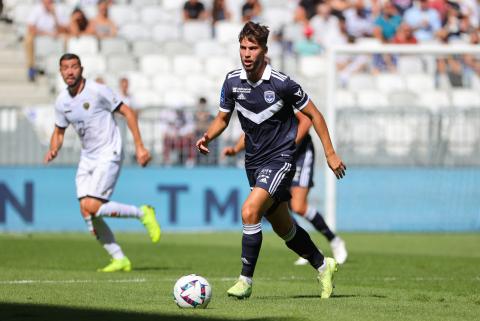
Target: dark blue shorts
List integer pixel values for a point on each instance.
(275, 177)
(304, 167)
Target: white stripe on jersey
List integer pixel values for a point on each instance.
(262, 116)
(234, 73)
(307, 165)
(277, 179)
(278, 75)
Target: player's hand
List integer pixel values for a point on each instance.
(202, 144)
(336, 165)
(50, 155)
(229, 151)
(143, 156)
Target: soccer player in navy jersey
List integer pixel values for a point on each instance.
(301, 184)
(265, 100)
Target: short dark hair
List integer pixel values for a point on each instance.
(255, 32)
(69, 56)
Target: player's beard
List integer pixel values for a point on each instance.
(76, 83)
(256, 66)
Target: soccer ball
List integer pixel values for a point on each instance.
(192, 291)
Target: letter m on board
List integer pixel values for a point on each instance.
(212, 202)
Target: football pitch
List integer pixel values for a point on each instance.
(387, 277)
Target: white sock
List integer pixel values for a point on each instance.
(114, 209)
(322, 267)
(106, 238)
(246, 279)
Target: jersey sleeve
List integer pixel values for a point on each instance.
(227, 104)
(113, 99)
(296, 95)
(60, 119)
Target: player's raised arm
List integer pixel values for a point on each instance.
(333, 160)
(143, 155)
(56, 142)
(217, 126)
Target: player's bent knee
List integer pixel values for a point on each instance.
(298, 208)
(250, 214)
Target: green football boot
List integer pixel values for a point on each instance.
(325, 278)
(241, 290)
(118, 265)
(150, 222)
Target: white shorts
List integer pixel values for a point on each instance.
(97, 178)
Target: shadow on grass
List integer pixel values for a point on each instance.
(33, 312)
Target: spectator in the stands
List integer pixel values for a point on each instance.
(220, 11)
(203, 118)
(403, 5)
(78, 23)
(307, 45)
(456, 24)
(358, 19)
(387, 22)
(305, 10)
(404, 35)
(125, 95)
(102, 26)
(194, 10)
(43, 20)
(326, 27)
(424, 20)
(251, 10)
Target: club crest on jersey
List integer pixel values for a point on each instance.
(86, 105)
(269, 96)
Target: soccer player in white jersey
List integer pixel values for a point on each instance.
(89, 107)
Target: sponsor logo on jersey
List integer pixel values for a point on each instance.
(241, 90)
(269, 96)
(222, 96)
(86, 105)
(299, 93)
(241, 96)
(263, 180)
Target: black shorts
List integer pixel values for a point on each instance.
(275, 177)
(304, 167)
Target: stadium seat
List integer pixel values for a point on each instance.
(113, 46)
(187, 64)
(369, 99)
(123, 14)
(345, 99)
(20, 13)
(135, 31)
(388, 82)
(173, 5)
(276, 16)
(165, 32)
(179, 99)
(145, 47)
(142, 3)
(93, 65)
(90, 10)
(152, 15)
(153, 64)
(8, 120)
(46, 46)
(164, 81)
(409, 64)
(138, 82)
(365, 136)
(196, 31)
(197, 84)
(361, 81)
(465, 98)
(434, 100)
(293, 31)
(121, 63)
(403, 99)
(461, 136)
(147, 98)
(312, 66)
(84, 45)
(216, 66)
(419, 83)
(173, 48)
(399, 136)
(209, 48)
(227, 32)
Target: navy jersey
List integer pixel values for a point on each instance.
(266, 113)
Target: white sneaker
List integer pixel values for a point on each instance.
(301, 261)
(339, 250)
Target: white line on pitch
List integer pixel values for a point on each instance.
(71, 281)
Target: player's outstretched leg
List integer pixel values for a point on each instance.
(145, 213)
(150, 222)
(119, 261)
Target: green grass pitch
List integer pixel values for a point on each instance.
(387, 277)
